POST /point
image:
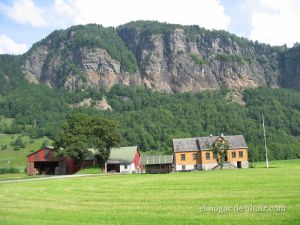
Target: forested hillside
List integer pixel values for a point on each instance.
(151, 120)
(11, 75)
(134, 65)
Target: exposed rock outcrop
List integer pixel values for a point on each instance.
(76, 69)
(174, 62)
(97, 104)
(171, 59)
(103, 105)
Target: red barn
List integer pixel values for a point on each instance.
(43, 162)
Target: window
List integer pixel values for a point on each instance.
(125, 166)
(215, 155)
(207, 155)
(233, 155)
(241, 155)
(195, 156)
(183, 167)
(182, 157)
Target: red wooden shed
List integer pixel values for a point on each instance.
(43, 162)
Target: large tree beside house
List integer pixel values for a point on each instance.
(104, 135)
(82, 132)
(220, 148)
(205, 153)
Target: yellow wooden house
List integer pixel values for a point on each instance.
(195, 154)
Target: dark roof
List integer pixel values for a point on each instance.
(185, 144)
(235, 142)
(46, 147)
(156, 159)
(204, 143)
(122, 155)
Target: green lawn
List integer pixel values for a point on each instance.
(90, 170)
(177, 198)
(13, 176)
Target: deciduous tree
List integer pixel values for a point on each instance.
(82, 132)
(220, 147)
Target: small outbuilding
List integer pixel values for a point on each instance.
(124, 160)
(43, 162)
(157, 163)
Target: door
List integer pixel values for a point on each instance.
(226, 158)
(239, 164)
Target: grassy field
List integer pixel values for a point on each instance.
(90, 170)
(13, 176)
(176, 198)
(10, 157)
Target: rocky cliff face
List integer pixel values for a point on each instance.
(76, 68)
(173, 61)
(170, 59)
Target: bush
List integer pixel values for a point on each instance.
(197, 60)
(18, 144)
(252, 165)
(230, 58)
(3, 147)
(4, 170)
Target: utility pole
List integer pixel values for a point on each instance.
(266, 148)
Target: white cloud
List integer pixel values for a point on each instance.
(206, 13)
(275, 21)
(61, 13)
(9, 46)
(24, 12)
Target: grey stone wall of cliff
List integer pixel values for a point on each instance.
(94, 68)
(168, 62)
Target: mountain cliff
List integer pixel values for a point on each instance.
(81, 56)
(167, 58)
(174, 58)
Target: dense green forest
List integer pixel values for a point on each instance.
(11, 75)
(151, 120)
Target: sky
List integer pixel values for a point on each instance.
(24, 22)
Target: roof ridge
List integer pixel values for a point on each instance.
(204, 143)
(207, 137)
